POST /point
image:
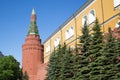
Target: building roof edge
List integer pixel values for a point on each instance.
(70, 18)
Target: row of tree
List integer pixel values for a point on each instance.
(95, 58)
(10, 69)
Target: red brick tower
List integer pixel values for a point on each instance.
(32, 50)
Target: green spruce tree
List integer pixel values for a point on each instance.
(76, 58)
(61, 64)
(117, 65)
(85, 39)
(95, 47)
(111, 52)
(54, 70)
(81, 61)
(51, 67)
(68, 65)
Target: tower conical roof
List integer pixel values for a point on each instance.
(33, 29)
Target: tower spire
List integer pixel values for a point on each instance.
(33, 11)
(32, 50)
(33, 29)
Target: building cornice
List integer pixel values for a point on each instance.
(70, 18)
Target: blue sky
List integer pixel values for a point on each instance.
(15, 20)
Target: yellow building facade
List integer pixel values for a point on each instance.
(106, 11)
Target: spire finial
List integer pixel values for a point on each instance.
(33, 11)
(33, 25)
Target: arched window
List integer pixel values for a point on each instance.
(71, 31)
(116, 3)
(67, 33)
(47, 48)
(84, 19)
(72, 47)
(56, 42)
(118, 24)
(92, 16)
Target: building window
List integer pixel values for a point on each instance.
(72, 47)
(116, 3)
(56, 42)
(92, 16)
(84, 19)
(48, 49)
(118, 24)
(69, 33)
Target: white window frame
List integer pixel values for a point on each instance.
(92, 17)
(116, 3)
(48, 49)
(56, 41)
(69, 32)
(117, 24)
(84, 19)
(72, 47)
